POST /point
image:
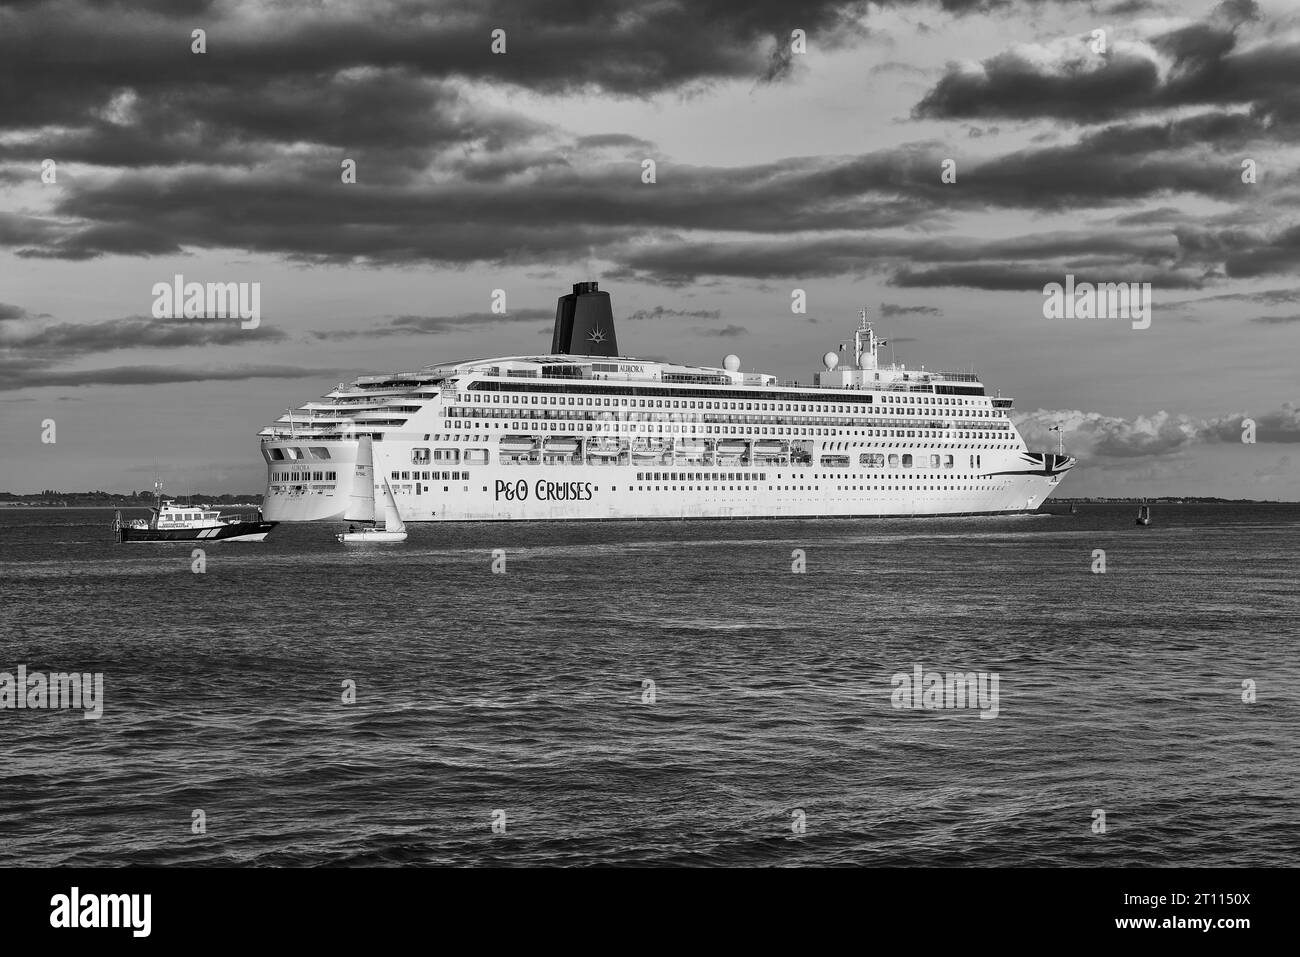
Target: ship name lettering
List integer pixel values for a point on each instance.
(546, 491)
(511, 491)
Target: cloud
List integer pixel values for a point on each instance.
(662, 312)
(433, 325)
(726, 332)
(14, 378)
(77, 52)
(1092, 437)
(1276, 320)
(32, 347)
(25, 335)
(1003, 277)
(1202, 63)
(241, 148)
(888, 309)
(1269, 297)
(607, 140)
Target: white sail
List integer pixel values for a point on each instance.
(392, 521)
(361, 506)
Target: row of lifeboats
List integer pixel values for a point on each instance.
(640, 448)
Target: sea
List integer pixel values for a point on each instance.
(662, 693)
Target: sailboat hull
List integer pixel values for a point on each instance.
(376, 536)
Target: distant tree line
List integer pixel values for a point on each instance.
(100, 497)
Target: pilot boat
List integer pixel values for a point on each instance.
(170, 522)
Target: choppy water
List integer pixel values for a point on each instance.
(523, 692)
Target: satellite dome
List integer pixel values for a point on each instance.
(831, 360)
(731, 363)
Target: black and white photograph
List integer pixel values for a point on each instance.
(708, 435)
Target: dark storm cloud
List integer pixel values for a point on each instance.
(1276, 320)
(1268, 254)
(72, 52)
(677, 262)
(240, 148)
(387, 121)
(531, 206)
(1245, 252)
(302, 209)
(1201, 64)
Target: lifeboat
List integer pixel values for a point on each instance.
(517, 443)
(563, 445)
(731, 447)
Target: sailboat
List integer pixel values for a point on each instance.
(361, 505)
(1144, 514)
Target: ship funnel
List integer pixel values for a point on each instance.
(584, 323)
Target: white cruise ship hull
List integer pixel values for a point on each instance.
(1006, 484)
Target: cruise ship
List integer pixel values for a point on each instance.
(583, 432)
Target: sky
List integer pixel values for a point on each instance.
(795, 147)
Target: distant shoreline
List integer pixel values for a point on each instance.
(1172, 500)
(139, 505)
